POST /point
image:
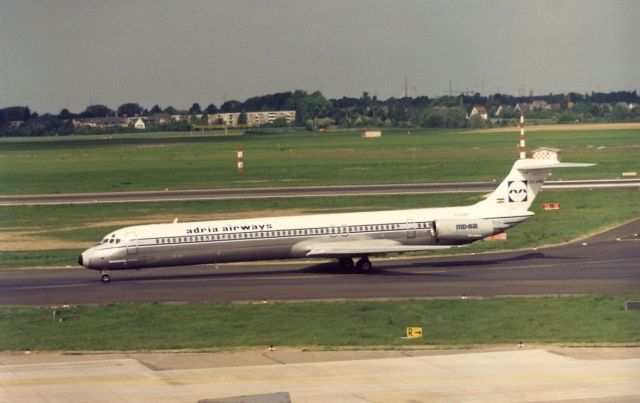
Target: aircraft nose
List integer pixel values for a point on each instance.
(83, 260)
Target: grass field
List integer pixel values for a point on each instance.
(120, 163)
(54, 235)
(583, 320)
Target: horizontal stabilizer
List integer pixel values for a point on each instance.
(364, 247)
(532, 164)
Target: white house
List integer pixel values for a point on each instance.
(479, 110)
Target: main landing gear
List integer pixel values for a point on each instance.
(363, 265)
(105, 276)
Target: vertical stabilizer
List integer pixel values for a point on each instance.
(518, 190)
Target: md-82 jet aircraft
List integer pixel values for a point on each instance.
(343, 236)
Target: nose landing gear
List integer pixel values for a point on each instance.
(105, 276)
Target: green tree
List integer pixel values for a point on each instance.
(130, 109)
(435, 118)
(97, 111)
(475, 122)
(155, 109)
(15, 113)
(620, 112)
(195, 109)
(456, 117)
(171, 110)
(211, 108)
(308, 106)
(65, 114)
(65, 129)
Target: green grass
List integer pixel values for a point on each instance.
(39, 258)
(592, 319)
(293, 158)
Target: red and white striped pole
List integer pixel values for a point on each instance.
(240, 159)
(523, 149)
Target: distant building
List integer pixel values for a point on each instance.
(101, 122)
(605, 107)
(139, 124)
(227, 119)
(479, 110)
(254, 119)
(540, 106)
(623, 105)
(159, 118)
(522, 107)
(181, 117)
(14, 124)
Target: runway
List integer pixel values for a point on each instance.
(305, 191)
(607, 263)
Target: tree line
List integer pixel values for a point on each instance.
(314, 110)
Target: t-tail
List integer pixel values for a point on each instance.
(519, 189)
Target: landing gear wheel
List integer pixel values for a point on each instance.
(346, 263)
(106, 278)
(364, 265)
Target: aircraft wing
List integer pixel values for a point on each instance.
(364, 247)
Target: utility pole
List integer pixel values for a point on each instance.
(406, 87)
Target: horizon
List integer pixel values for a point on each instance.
(114, 108)
(203, 106)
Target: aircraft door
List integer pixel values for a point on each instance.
(344, 230)
(132, 243)
(411, 229)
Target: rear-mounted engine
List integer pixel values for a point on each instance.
(464, 229)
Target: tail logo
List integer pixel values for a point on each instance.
(517, 191)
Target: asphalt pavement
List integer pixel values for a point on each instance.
(607, 263)
(303, 191)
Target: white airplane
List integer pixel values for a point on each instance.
(343, 236)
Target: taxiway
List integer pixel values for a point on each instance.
(607, 263)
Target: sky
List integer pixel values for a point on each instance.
(73, 53)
